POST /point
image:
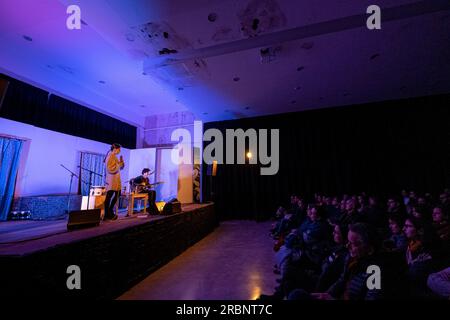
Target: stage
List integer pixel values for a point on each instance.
(34, 255)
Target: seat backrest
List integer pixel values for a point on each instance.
(132, 186)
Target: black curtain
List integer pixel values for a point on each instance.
(28, 104)
(380, 148)
(22, 101)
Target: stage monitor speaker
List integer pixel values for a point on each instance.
(172, 207)
(83, 219)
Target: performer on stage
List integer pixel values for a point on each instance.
(113, 182)
(142, 185)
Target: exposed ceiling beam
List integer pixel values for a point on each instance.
(317, 29)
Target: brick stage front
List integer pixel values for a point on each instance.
(112, 257)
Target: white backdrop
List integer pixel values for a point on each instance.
(40, 172)
(166, 170)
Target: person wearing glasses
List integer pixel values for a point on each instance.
(363, 245)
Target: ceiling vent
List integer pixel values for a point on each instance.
(268, 54)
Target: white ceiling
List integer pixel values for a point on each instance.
(407, 57)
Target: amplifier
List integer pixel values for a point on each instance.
(83, 219)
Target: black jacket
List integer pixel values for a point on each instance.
(332, 267)
(352, 283)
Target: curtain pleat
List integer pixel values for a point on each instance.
(92, 162)
(9, 164)
(380, 148)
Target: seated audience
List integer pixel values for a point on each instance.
(314, 262)
(351, 285)
(444, 199)
(295, 276)
(333, 265)
(351, 214)
(441, 224)
(397, 241)
(419, 256)
(374, 215)
(439, 283)
(314, 235)
(395, 207)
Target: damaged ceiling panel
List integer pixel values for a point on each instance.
(176, 55)
(261, 16)
(182, 75)
(159, 38)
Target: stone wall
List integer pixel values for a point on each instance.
(46, 207)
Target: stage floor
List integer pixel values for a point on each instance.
(114, 256)
(25, 237)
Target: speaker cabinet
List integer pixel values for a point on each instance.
(83, 219)
(172, 207)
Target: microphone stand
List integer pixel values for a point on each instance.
(70, 186)
(90, 183)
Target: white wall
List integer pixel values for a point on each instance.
(140, 159)
(40, 172)
(166, 170)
